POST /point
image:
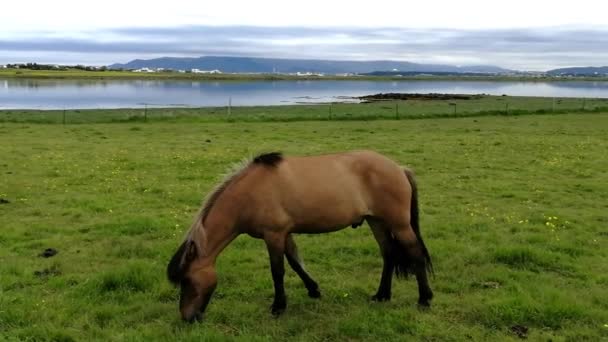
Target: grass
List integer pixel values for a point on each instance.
(513, 212)
(382, 110)
(116, 74)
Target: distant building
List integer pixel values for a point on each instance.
(3, 67)
(144, 70)
(198, 71)
(309, 74)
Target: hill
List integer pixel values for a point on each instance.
(270, 65)
(580, 71)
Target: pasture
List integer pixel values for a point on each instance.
(513, 211)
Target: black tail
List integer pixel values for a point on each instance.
(403, 260)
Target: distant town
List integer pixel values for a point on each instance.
(58, 67)
(558, 73)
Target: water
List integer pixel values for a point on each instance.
(81, 94)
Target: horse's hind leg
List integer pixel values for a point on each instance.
(409, 257)
(291, 252)
(384, 239)
(276, 251)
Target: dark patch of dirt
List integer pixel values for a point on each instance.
(486, 285)
(415, 96)
(48, 272)
(49, 252)
(520, 330)
(490, 285)
(4, 201)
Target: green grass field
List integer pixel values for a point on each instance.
(513, 210)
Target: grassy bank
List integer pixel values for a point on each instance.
(410, 109)
(513, 212)
(115, 74)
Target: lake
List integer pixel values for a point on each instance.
(82, 94)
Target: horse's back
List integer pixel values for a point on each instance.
(331, 191)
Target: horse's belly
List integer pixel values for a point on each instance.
(322, 219)
(324, 200)
(317, 229)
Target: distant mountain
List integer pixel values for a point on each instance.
(579, 71)
(269, 65)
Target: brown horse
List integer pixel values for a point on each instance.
(273, 197)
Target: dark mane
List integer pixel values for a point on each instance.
(175, 271)
(270, 159)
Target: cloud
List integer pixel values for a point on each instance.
(538, 48)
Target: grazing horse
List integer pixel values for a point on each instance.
(273, 197)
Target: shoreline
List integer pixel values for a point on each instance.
(378, 99)
(403, 108)
(175, 76)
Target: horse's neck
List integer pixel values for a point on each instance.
(220, 230)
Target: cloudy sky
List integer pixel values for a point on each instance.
(525, 35)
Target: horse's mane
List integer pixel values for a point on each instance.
(234, 172)
(196, 233)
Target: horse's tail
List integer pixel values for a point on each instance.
(404, 263)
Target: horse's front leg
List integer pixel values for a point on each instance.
(276, 251)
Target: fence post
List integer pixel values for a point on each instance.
(229, 105)
(397, 111)
(584, 102)
(63, 116)
(507, 108)
(454, 105)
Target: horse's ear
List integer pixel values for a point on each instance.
(180, 261)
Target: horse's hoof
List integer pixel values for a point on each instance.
(314, 293)
(278, 309)
(424, 300)
(424, 304)
(380, 298)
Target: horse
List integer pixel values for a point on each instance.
(274, 196)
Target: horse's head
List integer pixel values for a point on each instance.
(197, 279)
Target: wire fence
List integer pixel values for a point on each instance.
(377, 110)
